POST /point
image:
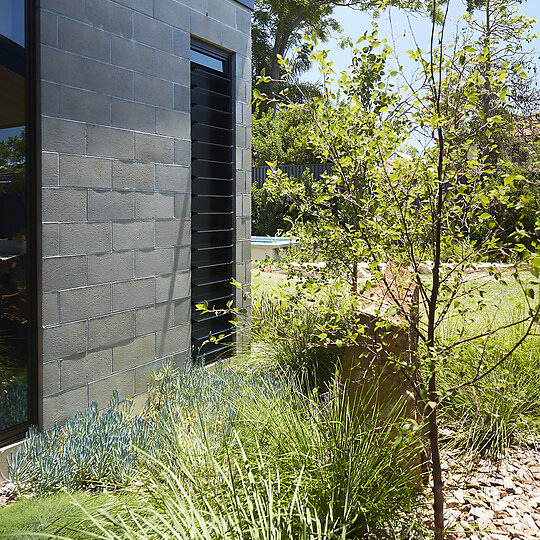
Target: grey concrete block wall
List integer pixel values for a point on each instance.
(115, 132)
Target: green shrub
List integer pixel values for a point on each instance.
(252, 457)
(294, 332)
(272, 212)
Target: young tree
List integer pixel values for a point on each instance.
(378, 210)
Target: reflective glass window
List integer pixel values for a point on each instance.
(13, 218)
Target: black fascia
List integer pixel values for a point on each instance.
(12, 56)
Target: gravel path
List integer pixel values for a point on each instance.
(495, 501)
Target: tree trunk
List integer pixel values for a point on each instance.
(436, 469)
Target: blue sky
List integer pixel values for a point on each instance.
(354, 23)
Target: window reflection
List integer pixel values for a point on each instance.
(13, 197)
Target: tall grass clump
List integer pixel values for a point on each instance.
(246, 456)
(501, 408)
(295, 332)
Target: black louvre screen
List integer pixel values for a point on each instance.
(212, 218)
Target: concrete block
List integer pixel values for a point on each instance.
(154, 205)
(58, 135)
(110, 267)
(171, 233)
(49, 99)
(182, 311)
(246, 250)
(136, 235)
(154, 148)
(182, 152)
(86, 302)
(51, 378)
(172, 68)
(85, 106)
(134, 353)
(153, 262)
(182, 41)
(173, 178)
(107, 79)
(154, 318)
(84, 40)
(243, 19)
(69, 8)
(144, 6)
(173, 287)
(49, 309)
(110, 205)
(83, 171)
(182, 205)
(49, 239)
(173, 123)
(174, 340)
(77, 238)
(243, 89)
(182, 98)
(247, 107)
(238, 200)
(246, 205)
(131, 175)
(110, 142)
(143, 375)
(171, 12)
(109, 16)
(62, 67)
(237, 41)
(243, 70)
(49, 169)
(205, 27)
(63, 273)
(152, 32)
(133, 115)
(102, 390)
(83, 368)
(182, 259)
(134, 293)
(153, 91)
(59, 407)
(63, 204)
(240, 229)
(64, 340)
(225, 14)
(111, 330)
(198, 5)
(240, 137)
(129, 54)
(246, 158)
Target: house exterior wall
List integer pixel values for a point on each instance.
(115, 138)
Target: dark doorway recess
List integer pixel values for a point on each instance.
(212, 189)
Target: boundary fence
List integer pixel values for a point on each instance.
(259, 174)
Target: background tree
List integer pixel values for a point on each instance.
(503, 34)
(278, 27)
